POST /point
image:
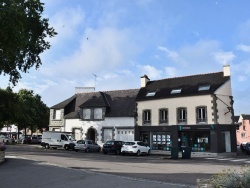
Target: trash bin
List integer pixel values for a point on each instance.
(174, 152)
(186, 152)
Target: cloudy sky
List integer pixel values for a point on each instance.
(119, 41)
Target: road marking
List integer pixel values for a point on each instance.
(224, 159)
(236, 160)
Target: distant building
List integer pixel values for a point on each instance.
(243, 133)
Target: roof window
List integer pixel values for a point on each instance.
(150, 94)
(204, 88)
(174, 91)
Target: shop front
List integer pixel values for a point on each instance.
(201, 138)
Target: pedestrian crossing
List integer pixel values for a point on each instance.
(243, 160)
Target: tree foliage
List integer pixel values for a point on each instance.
(22, 36)
(24, 109)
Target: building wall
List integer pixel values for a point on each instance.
(223, 95)
(114, 123)
(241, 130)
(55, 123)
(172, 104)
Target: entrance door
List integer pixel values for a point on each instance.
(91, 134)
(145, 138)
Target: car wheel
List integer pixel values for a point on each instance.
(138, 153)
(123, 153)
(118, 152)
(66, 147)
(149, 152)
(47, 146)
(87, 150)
(7, 141)
(99, 149)
(104, 152)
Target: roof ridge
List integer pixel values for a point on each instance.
(186, 76)
(107, 91)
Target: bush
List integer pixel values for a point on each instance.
(232, 179)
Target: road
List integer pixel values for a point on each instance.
(30, 165)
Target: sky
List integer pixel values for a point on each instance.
(110, 44)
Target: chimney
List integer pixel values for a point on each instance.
(144, 80)
(226, 70)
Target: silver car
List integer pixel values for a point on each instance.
(87, 146)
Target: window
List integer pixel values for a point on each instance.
(57, 114)
(201, 115)
(150, 94)
(98, 113)
(146, 117)
(243, 135)
(86, 113)
(204, 88)
(163, 114)
(181, 115)
(174, 91)
(244, 127)
(92, 114)
(107, 134)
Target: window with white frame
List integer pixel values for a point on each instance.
(201, 114)
(146, 117)
(107, 134)
(163, 116)
(57, 114)
(181, 115)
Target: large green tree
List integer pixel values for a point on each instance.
(22, 36)
(31, 112)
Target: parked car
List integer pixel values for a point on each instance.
(112, 147)
(2, 146)
(5, 139)
(243, 147)
(87, 145)
(36, 139)
(24, 140)
(247, 148)
(135, 147)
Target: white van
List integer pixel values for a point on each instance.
(51, 139)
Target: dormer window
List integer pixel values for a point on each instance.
(92, 113)
(150, 94)
(204, 88)
(175, 91)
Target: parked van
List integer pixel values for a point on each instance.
(56, 140)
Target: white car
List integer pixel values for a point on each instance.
(5, 139)
(135, 147)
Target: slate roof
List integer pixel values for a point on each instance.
(119, 103)
(245, 116)
(188, 84)
(236, 119)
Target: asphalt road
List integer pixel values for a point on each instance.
(29, 166)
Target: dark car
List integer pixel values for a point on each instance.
(112, 147)
(247, 148)
(243, 147)
(24, 140)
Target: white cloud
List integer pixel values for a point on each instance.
(173, 55)
(244, 48)
(171, 71)
(224, 58)
(150, 71)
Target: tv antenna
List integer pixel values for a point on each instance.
(95, 80)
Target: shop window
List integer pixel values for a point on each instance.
(163, 115)
(181, 115)
(201, 115)
(146, 117)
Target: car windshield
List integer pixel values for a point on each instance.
(129, 143)
(109, 143)
(70, 137)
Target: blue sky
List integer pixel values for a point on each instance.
(119, 41)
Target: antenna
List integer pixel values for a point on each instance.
(95, 80)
